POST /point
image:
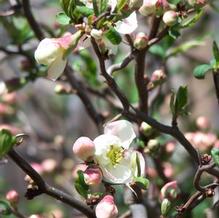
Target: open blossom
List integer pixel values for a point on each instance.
(117, 162)
(106, 208)
(50, 52)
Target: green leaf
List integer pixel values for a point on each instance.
(200, 71)
(215, 155)
(165, 207)
(216, 55)
(7, 141)
(84, 11)
(62, 18)
(113, 36)
(142, 182)
(181, 98)
(191, 21)
(5, 208)
(175, 2)
(183, 48)
(80, 185)
(174, 32)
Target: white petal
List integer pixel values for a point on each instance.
(134, 163)
(102, 144)
(128, 25)
(123, 130)
(113, 4)
(121, 173)
(47, 51)
(56, 68)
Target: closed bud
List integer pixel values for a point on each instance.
(165, 207)
(158, 76)
(93, 176)
(146, 129)
(97, 34)
(62, 89)
(84, 148)
(12, 196)
(170, 18)
(141, 41)
(170, 190)
(202, 123)
(148, 7)
(153, 146)
(3, 88)
(77, 168)
(106, 208)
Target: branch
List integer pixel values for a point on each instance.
(31, 20)
(216, 83)
(110, 81)
(82, 93)
(43, 187)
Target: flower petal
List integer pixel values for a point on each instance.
(123, 130)
(128, 25)
(47, 51)
(135, 167)
(56, 68)
(102, 145)
(121, 173)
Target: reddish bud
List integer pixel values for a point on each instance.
(12, 196)
(106, 208)
(170, 18)
(93, 176)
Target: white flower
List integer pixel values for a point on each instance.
(128, 25)
(117, 162)
(50, 52)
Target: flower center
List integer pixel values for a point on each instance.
(115, 154)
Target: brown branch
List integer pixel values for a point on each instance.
(82, 93)
(43, 187)
(216, 83)
(31, 20)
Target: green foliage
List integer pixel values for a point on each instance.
(5, 208)
(165, 207)
(62, 18)
(142, 182)
(178, 102)
(7, 141)
(80, 185)
(200, 71)
(113, 36)
(215, 155)
(192, 20)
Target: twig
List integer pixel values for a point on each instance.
(31, 20)
(43, 187)
(216, 83)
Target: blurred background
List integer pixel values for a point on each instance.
(53, 122)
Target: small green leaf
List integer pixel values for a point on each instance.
(7, 141)
(174, 2)
(174, 32)
(191, 21)
(215, 155)
(142, 182)
(62, 18)
(200, 71)
(84, 11)
(80, 185)
(5, 208)
(216, 55)
(113, 36)
(165, 207)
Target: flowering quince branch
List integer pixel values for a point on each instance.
(43, 187)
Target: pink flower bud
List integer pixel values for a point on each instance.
(9, 98)
(170, 18)
(170, 147)
(106, 208)
(12, 196)
(93, 176)
(49, 165)
(141, 41)
(203, 123)
(84, 148)
(170, 190)
(168, 170)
